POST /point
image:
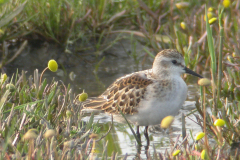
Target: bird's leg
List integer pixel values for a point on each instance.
(146, 135)
(138, 133)
(146, 131)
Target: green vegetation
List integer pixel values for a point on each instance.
(42, 120)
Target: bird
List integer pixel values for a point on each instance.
(146, 97)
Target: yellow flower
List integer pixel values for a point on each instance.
(203, 154)
(210, 9)
(52, 65)
(199, 136)
(83, 96)
(3, 77)
(226, 3)
(219, 122)
(31, 134)
(230, 59)
(182, 5)
(209, 15)
(212, 20)
(69, 144)
(68, 113)
(167, 121)
(183, 25)
(49, 133)
(176, 152)
(234, 54)
(204, 82)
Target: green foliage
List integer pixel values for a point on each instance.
(7, 21)
(222, 102)
(27, 107)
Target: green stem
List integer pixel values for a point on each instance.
(134, 134)
(219, 80)
(213, 61)
(204, 121)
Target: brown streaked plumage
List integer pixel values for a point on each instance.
(170, 53)
(126, 93)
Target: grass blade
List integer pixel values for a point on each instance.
(9, 17)
(220, 55)
(213, 60)
(134, 134)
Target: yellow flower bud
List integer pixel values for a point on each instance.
(234, 54)
(52, 65)
(69, 144)
(203, 154)
(199, 136)
(68, 113)
(204, 82)
(3, 77)
(83, 96)
(230, 59)
(209, 15)
(212, 20)
(176, 152)
(167, 121)
(182, 5)
(219, 122)
(31, 134)
(183, 25)
(49, 133)
(226, 3)
(210, 9)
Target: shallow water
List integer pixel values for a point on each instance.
(125, 143)
(120, 138)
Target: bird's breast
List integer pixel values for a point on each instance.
(161, 99)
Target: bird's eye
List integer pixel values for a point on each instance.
(174, 61)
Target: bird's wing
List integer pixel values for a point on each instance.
(124, 94)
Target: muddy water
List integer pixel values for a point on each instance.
(80, 71)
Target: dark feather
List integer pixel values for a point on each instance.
(124, 94)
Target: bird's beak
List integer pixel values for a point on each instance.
(189, 71)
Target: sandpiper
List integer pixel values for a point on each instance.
(147, 96)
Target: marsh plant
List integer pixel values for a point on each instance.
(41, 119)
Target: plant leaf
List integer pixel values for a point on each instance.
(10, 16)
